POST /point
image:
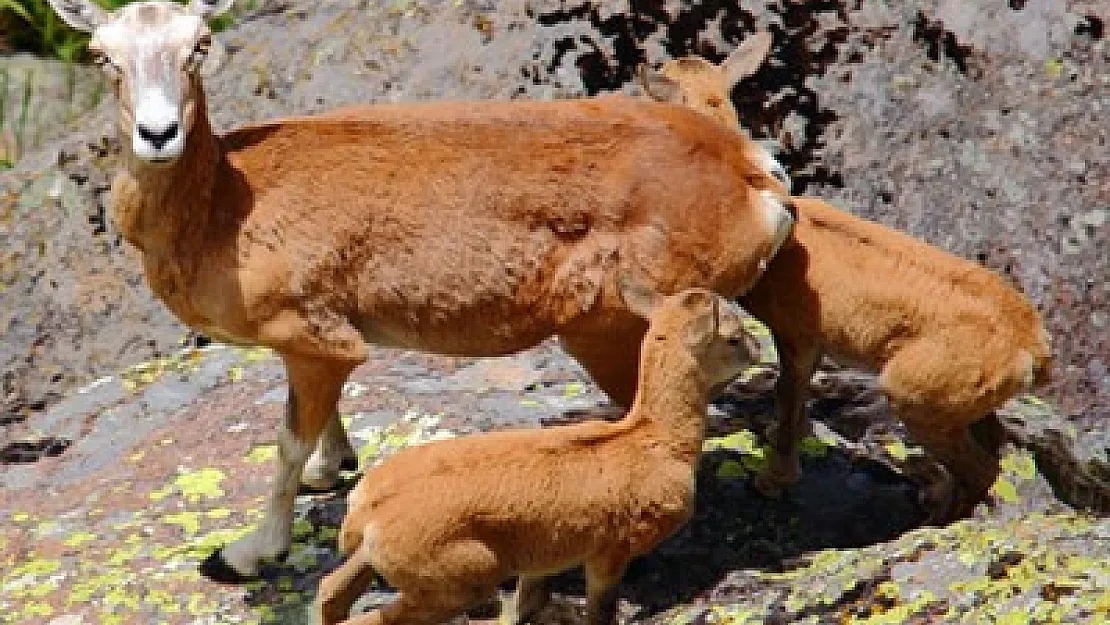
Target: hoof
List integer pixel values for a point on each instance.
(772, 484)
(218, 570)
(770, 489)
(305, 489)
(349, 464)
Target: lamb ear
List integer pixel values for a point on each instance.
(657, 86)
(702, 305)
(746, 60)
(209, 9)
(83, 15)
(637, 296)
(734, 321)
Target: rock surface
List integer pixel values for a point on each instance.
(173, 458)
(980, 129)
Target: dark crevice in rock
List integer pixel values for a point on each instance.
(804, 47)
(939, 42)
(1092, 26)
(26, 452)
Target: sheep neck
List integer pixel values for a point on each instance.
(162, 208)
(673, 394)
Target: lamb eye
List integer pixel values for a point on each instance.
(714, 102)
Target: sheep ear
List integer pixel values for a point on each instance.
(657, 86)
(83, 15)
(702, 306)
(209, 9)
(638, 297)
(747, 59)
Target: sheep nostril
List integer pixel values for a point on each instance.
(158, 138)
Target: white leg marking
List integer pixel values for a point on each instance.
(275, 533)
(322, 469)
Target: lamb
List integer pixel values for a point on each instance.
(474, 229)
(951, 340)
(446, 522)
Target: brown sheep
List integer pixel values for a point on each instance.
(445, 523)
(460, 228)
(951, 340)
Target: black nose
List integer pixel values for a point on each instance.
(158, 138)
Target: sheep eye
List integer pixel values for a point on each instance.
(197, 56)
(105, 62)
(714, 102)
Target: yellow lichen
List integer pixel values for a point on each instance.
(35, 567)
(189, 521)
(33, 609)
(124, 555)
(1005, 491)
(78, 538)
(262, 453)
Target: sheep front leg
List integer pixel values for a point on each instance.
(333, 453)
(796, 368)
(532, 594)
(314, 389)
(603, 578)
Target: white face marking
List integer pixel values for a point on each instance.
(151, 48)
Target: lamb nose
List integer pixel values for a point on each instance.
(156, 138)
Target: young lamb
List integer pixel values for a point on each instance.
(445, 523)
(461, 228)
(951, 340)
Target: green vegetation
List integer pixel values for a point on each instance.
(32, 26)
(12, 131)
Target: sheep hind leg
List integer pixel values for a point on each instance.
(342, 587)
(603, 577)
(612, 360)
(436, 582)
(333, 454)
(969, 468)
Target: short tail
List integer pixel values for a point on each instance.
(1042, 372)
(1042, 359)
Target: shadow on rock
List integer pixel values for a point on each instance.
(839, 502)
